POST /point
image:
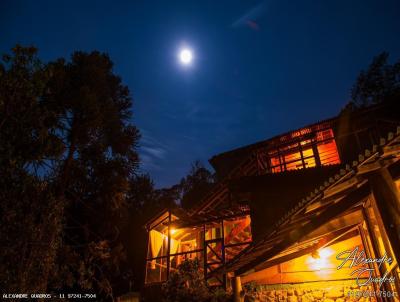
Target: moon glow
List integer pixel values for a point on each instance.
(186, 56)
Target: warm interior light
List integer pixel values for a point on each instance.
(325, 253)
(319, 258)
(172, 231)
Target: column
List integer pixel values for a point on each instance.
(237, 290)
(388, 202)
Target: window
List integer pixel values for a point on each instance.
(308, 157)
(210, 243)
(309, 151)
(237, 236)
(328, 153)
(213, 231)
(156, 270)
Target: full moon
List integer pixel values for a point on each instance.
(186, 56)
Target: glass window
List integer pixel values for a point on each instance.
(237, 230)
(213, 231)
(328, 153)
(156, 270)
(293, 161)
(186, 239)
(276, 169)
(275, 161)
(309, 159)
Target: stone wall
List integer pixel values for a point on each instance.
(329, 291)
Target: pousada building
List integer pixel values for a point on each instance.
(309, 215)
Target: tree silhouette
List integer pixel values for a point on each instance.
(31, 222)
(379, 83)
(67, 155)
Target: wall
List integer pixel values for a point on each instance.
(332, 291)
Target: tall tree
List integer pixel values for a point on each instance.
(31, 215)
(67, 155)
(379, 83)
(143, 204)
(94, 113)
(194, 187)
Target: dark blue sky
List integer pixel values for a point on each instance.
(293, 64)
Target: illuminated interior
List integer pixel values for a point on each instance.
(212, 244)
(310, 149)
(318, 265)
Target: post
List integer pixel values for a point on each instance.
(223, 252)
(169, 243)
(237, 289)
(388, 202)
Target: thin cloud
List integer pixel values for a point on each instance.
(249, 19)
(151, 151)
(154, 151)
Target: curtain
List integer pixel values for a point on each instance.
(174, 246)
(156, 242)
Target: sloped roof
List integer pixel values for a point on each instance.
(335, 197)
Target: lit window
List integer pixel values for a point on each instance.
(309, 159)
(291, 158)
(328, 153)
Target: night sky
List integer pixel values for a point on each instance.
(259, 69)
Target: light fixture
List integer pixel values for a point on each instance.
(319, 258)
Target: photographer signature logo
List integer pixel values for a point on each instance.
(357, 258)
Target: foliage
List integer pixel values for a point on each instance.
(142, 204)
(67, 155)
(379, 83)
(72, 202)
(190, 190)
(195, 185)
(187, 284)
(31, 214)
(26, 125)
(94, 113)
(250, 291)
(29, 234)
(220, 295)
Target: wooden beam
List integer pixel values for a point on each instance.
(342, 187)
(387, 199)
(297, 235)
(325, 241)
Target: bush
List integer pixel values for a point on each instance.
(187, 284)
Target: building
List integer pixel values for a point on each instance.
(285, 209)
